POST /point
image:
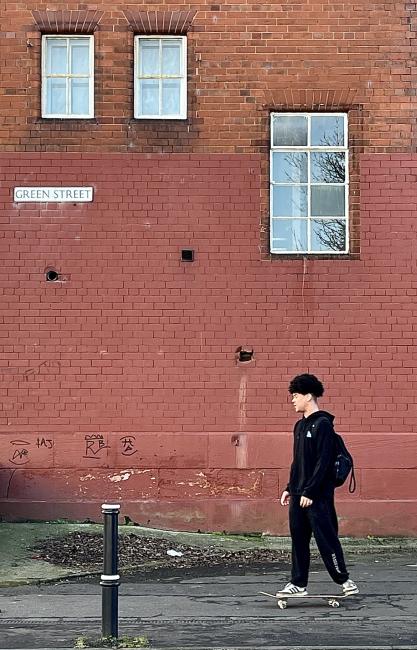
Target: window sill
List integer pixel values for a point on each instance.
(67, 117)
(314, 256)
(170, 118)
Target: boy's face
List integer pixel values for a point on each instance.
(301, 402)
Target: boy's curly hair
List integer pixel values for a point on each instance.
(305, 384)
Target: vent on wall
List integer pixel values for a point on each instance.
(51, 275)
(187, 255)
(244, 355)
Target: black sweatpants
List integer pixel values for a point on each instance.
(320, 519)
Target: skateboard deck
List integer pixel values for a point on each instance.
(332, 599)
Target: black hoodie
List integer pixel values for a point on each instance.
(311, 472)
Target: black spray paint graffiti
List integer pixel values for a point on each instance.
(44, 442)
(20, 453)
(94, 445)
(128, 445)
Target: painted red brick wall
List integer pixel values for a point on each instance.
(119, 381)
(133, 342)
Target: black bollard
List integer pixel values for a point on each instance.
(110, 578)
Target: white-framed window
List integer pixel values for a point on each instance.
(68, 76)
(309, 184)
(161, 77)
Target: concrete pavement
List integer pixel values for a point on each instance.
(209, 608)
(190, 610)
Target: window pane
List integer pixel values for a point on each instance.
(56, 96)
(328, 235)
(79, 97)
(289, 201)
(289, 167)
(327, 201)
(57, 57)
(289, 235)
(328, 167)
(289, 131)
(171, 57)
(327, 130)
(170, 97)
(80, 57)
(149, 58)
(149, 97)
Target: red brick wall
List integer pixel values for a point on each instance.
(132, 342)
(244, 58)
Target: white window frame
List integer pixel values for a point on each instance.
(309, 148)
(182, 115)
(89, 76)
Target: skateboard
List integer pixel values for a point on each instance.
(331, 599)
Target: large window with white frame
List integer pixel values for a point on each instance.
(68, 76)
(160, 77)
(309, 183)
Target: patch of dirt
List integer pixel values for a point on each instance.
(85, 551)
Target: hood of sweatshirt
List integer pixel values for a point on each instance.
(318, 414)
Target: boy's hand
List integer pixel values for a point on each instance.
(305, 502)
(285, 498)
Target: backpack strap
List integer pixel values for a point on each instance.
(352, 482)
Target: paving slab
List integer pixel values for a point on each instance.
(210, 608)
(188, 610)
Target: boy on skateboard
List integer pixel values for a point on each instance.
(310, 491)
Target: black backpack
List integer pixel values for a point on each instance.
(343, 465)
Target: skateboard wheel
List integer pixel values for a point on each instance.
(334, 603)
(282, 604)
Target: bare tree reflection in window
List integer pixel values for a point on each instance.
(328, 167)
(332, 234)
(331, 166)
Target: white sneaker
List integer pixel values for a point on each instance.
(349, 588)
(292, 590)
